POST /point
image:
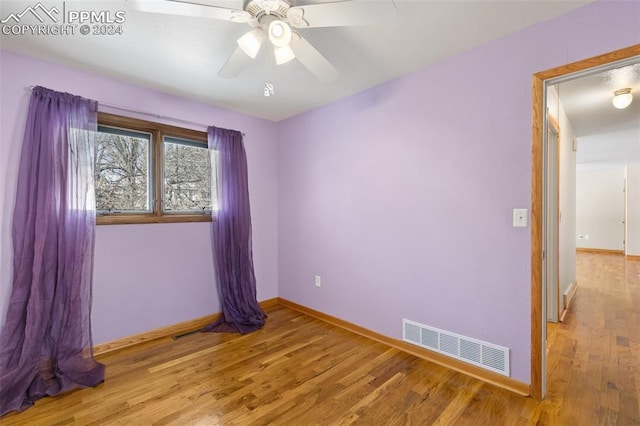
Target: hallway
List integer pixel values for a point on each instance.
(594, 355)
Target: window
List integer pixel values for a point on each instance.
(122, 171)
(148, 172)
(187, 176)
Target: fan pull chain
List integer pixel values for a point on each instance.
(269, 90)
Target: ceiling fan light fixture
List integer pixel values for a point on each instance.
(251, 42)
(283, 55)
(279, 33)
(622, 98)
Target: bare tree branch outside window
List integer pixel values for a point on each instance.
(187, 176)
(121, 170)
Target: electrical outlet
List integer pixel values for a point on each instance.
(318, 281)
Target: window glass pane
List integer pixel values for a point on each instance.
(121, 170)
(187, 176)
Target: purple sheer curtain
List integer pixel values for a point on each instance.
(45, 343)
(232, 237)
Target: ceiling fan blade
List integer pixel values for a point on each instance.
(313, 60)
(171, 7)
(341, 13)
(235, 64)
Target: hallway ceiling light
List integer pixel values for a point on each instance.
(622, 98)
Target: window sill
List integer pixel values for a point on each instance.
(145, 218)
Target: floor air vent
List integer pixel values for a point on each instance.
(486, 355)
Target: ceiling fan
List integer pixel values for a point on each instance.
(277, 22)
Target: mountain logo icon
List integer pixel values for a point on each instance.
(38, 11)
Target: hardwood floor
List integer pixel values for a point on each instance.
(594, 362)
(301, 371)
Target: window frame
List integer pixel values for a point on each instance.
(158, 131)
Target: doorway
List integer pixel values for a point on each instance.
(540, 238)
(601, 208)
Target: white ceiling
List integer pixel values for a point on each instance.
(182, 55)
(587, 101)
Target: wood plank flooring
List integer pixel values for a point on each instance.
(301, 371)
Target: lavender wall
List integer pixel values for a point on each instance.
(400, 197)
(146, 276)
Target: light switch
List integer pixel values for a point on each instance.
(520, 217)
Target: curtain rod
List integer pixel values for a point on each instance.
(149, 114)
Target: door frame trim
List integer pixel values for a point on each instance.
(537, 182)
(552, 122)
